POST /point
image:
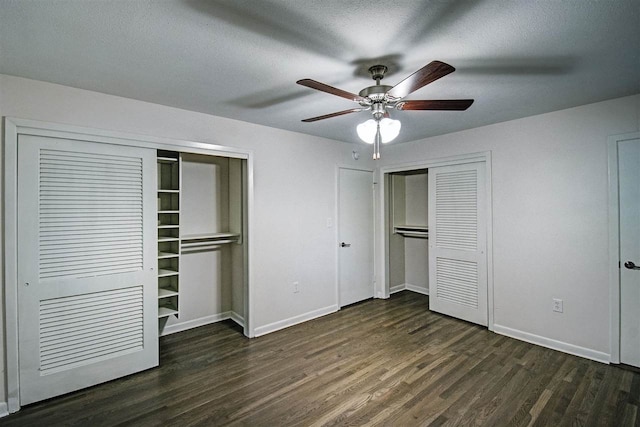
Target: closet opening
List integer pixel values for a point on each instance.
(435, 234)
(201, 240)
(408, 230)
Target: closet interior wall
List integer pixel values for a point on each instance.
(408, 231)
(212, 260)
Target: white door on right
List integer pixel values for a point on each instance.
(629, 196)
(457, 242)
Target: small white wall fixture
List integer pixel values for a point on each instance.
(382, 256)
(13, 128)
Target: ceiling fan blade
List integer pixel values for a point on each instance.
(328, 116)
(442, 104)
(425, 75)
(330, 89)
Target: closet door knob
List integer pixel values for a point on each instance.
(345, 245)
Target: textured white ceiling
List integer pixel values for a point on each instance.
(241, 58)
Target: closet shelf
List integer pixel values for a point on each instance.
(169, 212)
(166, 312)
(167, 160)
(163, 272)
(167, 190)
(201, 242)
(165, 226)
(163, 255)
(418, 231)
(210, 236)
(167, 239)
(166, 293)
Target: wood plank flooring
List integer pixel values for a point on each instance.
(381, 362)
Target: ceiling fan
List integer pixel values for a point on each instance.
(379, 99)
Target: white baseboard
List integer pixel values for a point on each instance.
(408, 287)
(418, 289)
(4, 409)
(183, 326)
(236, 318)
(564, 347)
(397, 288)
(276, 326)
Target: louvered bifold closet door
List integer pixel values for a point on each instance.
(457, 242)
(87, 264)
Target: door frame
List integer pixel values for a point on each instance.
(337, 225)
(382, 253)
(614, 244)
(13, 127)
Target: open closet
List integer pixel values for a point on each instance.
(408, 231)
(435, 241)
(112, 240)
(201, 252)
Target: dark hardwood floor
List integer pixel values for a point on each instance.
(380, 362)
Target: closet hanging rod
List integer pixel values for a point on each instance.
(416, 235)
(195, 245)
(198, 249)
(209, 236)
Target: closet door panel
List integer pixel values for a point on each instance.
(87, 299)
(457, 242)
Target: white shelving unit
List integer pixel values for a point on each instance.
(169, 180)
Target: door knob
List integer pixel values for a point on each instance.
(631, 265)
(346, 245)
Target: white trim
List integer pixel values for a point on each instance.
(14, 127)
(282, 324)
(397, 288)
(382, 250)
(10, 251)
(416, 289)
(564, 347)
(248, 321)
(4, 409)
(236, 318)
(40, 128)
(408, 287)
(614, 243)
(207, 320)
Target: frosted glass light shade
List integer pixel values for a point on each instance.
(367, 131)
(389, 130)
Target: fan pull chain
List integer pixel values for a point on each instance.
(376, 144)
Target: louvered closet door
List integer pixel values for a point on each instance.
(87, 254)
(457, 242)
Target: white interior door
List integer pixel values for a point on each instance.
(457, 242)
(86, 264)
(355, 231)
(629, 196)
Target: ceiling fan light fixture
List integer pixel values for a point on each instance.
(389, 130)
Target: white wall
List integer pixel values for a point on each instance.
(550, 235)
(294, 177)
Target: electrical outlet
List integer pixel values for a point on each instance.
(557, 305)
(296, 287)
